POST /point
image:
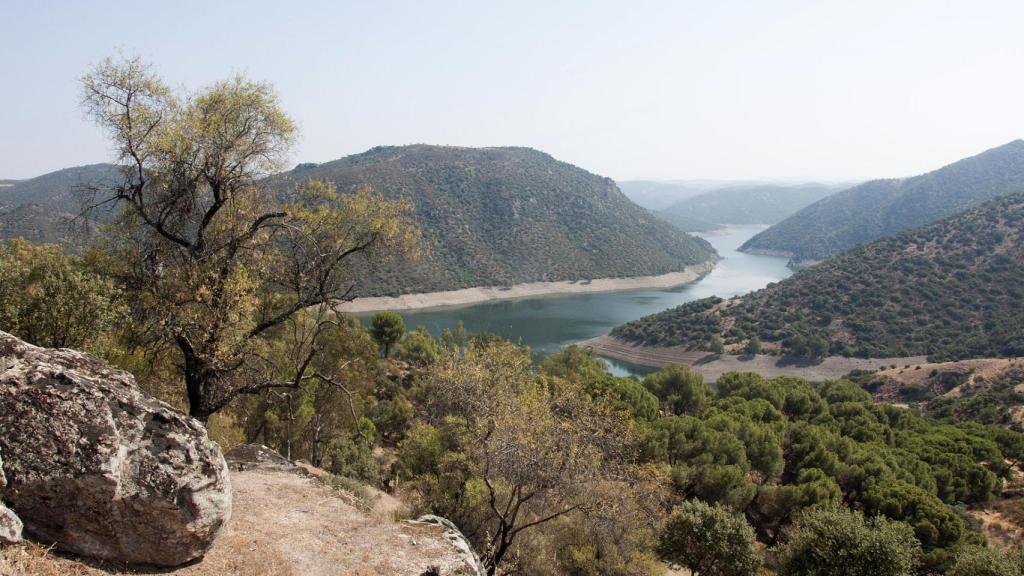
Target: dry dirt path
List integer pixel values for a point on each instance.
(283, 524)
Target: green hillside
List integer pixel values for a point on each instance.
(882, 208)
(500, 216)
(755, 204)
(41, 209)
(953, 289)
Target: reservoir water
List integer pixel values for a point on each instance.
(547, 323)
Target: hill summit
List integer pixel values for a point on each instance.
(502, 216)
(881, 208)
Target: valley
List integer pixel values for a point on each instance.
(547, 324)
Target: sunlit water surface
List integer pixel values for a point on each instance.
(547, 323)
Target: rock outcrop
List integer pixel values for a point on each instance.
(256, 456)
(10, 524)
(459, 542)
(98, 468)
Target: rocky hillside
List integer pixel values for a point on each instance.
(754, 204)
(881, 208)
(501, 216)
(950, 290)
(986, 390)
(41, 209)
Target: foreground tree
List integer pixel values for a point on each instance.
(841, 543)
(709, 541)
(217, 262)
(539, 448)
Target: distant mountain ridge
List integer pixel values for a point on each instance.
(951, 290)
(881, 208)
(502, 216)
(490, 216)
(750, 204)
(43, 209)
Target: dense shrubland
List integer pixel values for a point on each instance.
(501, 216)
(948, 290)
(561, 468)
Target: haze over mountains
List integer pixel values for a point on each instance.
(949, 290)
(882, 208)
(744, 205)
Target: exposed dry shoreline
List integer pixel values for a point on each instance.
(712, 366)
(468, 296)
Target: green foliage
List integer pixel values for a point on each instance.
(418, 347)
(420, 452)
(54, 300)
(680, 390)
(949, 290)
(838, 543)
(351, 459)
(502, 216)
(709, 540)
(886, 207)
(717, 344)
(387, 328)
(980, 561)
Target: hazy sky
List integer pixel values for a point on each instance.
(630, 89)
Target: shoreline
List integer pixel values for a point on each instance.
(468, 296)
(711, 366)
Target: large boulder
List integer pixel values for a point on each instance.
(256, 456)
(98, 468)
(10, 524)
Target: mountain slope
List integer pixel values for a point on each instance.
(41, 209)
(882, 208)
(757, 204)
(501, 216)
(953, 289)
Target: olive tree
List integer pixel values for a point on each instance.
(219, 260)
(541, 448)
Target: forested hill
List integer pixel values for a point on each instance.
(41, 209)
(753, 204)
(953, 289)
(500, 216)
(882, 208)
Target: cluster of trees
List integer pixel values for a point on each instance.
(949, 290)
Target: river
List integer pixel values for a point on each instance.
(547, 323)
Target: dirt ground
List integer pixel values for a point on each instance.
(711, 367)
(288, 525)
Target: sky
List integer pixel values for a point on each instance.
(674, 89)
